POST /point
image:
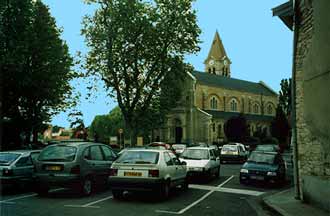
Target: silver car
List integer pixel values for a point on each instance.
(17, 167)
(81, 166)
(147, 170)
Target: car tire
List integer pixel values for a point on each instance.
(185, 184)
(217, 173)
(87, 186)
(117, 194)
(42, 190)
(165, 190)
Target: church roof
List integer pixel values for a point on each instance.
(217, 51)
(228, 115)
(231, 83)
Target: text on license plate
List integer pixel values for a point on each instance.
(257, 177)
(53, 168)
(135, 174)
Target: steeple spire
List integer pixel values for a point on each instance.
(217, 61)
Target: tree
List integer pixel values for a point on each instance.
(105, 126)
(285, 96)
(36, 66)
(236, 128)
(280, 127)
(134, 45)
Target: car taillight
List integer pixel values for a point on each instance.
(75, 170)
(153, 173)
(7, 172)
(113, 172)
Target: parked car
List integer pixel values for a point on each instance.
(147, 170)
(179, 148)
(78, 165)
(201, 161)
(267, 148)
(233, 152)
(263, 166)
(17, 167)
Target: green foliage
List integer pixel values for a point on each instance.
(105, 126)
(236, 129)
(280, 127)
(134, 45)
(285, 96)
(35, 66)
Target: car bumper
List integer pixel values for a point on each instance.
(232, 158)
(62, 180)
(135, 184)
(245, 177)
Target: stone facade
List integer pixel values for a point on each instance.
(210, 98)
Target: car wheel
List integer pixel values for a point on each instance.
(86, 186)
(117, 194)
(42, 190)
(185, 185)
(217, 174)
(165, 190)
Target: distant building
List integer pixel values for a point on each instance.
(210, 98)
(310, 21)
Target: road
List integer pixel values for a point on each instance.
(222, 196)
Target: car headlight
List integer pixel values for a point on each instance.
(244, 171)
(271, 173)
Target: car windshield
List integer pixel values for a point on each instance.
(195, 154)
(266, 148)
(229, 149)
(178, 146)
(8, 158)
(261, 158)
(58, 153)
(139, 157)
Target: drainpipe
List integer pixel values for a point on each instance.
(293, 102)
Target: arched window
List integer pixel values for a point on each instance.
(213, 103)
(270, 109)
(233, 105)
(209, 70)
(219, 130)
(256, 108)
(214, 70)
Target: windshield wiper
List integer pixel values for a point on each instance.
(55, 159)
(262, 162)
(4, 162)
(252, 161)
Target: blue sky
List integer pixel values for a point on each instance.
(258, 44)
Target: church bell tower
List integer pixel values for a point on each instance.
(217, 61)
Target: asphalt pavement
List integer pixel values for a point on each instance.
(221, 196)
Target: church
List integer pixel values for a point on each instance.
(212, 97)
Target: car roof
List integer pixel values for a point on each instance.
(200, 147)
(148, 150)
(265, 152)
(76, 144)
(230, 145)
(22, 151)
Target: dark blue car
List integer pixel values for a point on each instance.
(263, 166)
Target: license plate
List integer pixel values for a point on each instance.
(135, 174)
(257, 177)
(53, 168)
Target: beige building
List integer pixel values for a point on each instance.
(310, 21)
(212, 97)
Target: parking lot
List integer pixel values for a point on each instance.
(223, 196)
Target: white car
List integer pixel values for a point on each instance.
(155, 170)
(201, 161)
(233, 152)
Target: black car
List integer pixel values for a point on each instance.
(263, 166)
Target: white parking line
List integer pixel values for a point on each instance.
(227, 190)
(197, 201)
(90, 205)
(26, 196)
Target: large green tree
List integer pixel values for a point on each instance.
(285, 96)
(134, 45)
(236, 128)
(35, 66)
(280, 128)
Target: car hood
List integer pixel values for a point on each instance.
(195, 163)
(260, 167)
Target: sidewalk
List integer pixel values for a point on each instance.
(285, 204)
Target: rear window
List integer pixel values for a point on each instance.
(139, 157)
(58, 153)
(229, 149)
(8, 158)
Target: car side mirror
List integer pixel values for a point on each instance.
(183, 163)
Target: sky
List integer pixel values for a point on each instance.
(258, 44)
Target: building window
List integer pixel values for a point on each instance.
(209, 70)
(214, 70)
(256, 108)
(233, 105)
(270, 109)
(214, 103)
(219, 130)
(213, 127)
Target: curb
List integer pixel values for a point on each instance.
(275, 208)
